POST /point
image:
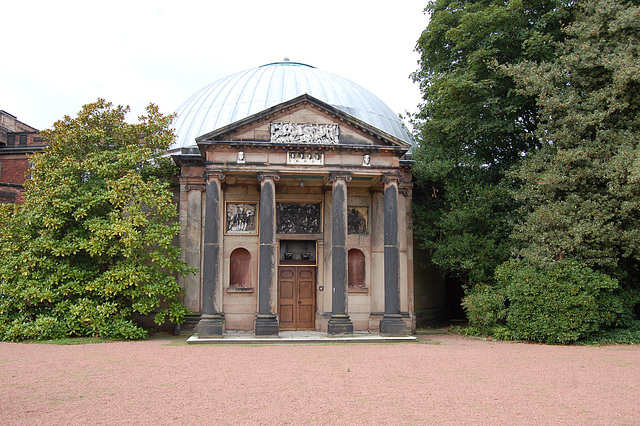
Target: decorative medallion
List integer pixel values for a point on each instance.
(305, 133)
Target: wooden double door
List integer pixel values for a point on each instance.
(296, 297)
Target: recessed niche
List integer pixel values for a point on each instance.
(297, 252)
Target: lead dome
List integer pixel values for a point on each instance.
(248, 92)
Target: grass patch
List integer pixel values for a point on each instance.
(73, 341)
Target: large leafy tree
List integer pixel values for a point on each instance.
(91, 245)
(582, 189)
(576, 273)
(473, 126)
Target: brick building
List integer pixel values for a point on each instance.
(17, 141)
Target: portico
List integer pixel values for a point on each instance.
(297, 218)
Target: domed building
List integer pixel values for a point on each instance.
(294, 205)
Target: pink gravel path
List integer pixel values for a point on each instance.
(458, 381)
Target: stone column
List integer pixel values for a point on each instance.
(392, 323)
(266, 321)
(339, 323)
(210, 324)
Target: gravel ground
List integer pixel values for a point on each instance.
(442, 379)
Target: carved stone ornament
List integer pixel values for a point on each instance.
(308, 158)
(390, 178)
(214, 174)
(298, 218)
(266, 176)
(337, 176)
(305, 133)
(242, 218)
(195, 187)
(357, 220)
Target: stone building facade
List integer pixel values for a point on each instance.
(298, 218)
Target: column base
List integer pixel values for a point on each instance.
(210, 326)
(339, 324)
(266, 325)
(392, 325)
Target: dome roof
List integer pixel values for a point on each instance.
(249, 92)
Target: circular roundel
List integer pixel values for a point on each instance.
(248, 92)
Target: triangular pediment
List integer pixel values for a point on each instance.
(303, 121)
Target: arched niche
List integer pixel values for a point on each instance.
(356, 272)
(240, 268)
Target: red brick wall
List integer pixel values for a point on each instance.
(13, 170)
(11, 195)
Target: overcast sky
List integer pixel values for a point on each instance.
(60, 55)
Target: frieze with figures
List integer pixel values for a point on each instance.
(305, 157)
(305, 133)
(298, 217)
(242, 218)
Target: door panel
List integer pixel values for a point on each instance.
(287, 298)
(296, 297)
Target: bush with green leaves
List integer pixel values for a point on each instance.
(559, 303)
(485, 307)
(92, 244)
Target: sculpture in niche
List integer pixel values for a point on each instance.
(241, 218)
(357, 220)
(298, 218)
(366, 160)
(240, 159)
(305, 133)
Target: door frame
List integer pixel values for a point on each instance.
(296, 296)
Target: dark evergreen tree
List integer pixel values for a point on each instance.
(582, 189)
(473, 126)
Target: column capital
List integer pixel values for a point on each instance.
(335, 176)
(268, 175)
(213, 174)
(392, 177)
(195, 187)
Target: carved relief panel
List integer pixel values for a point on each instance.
(305, 133)
(241, 218)
(299, 217)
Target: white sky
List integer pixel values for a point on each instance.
(59, 55)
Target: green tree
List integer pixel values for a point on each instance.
(581, 191)
(91, 245)
(473, 126)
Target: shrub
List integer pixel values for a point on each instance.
(485, 307)
(562, 303)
